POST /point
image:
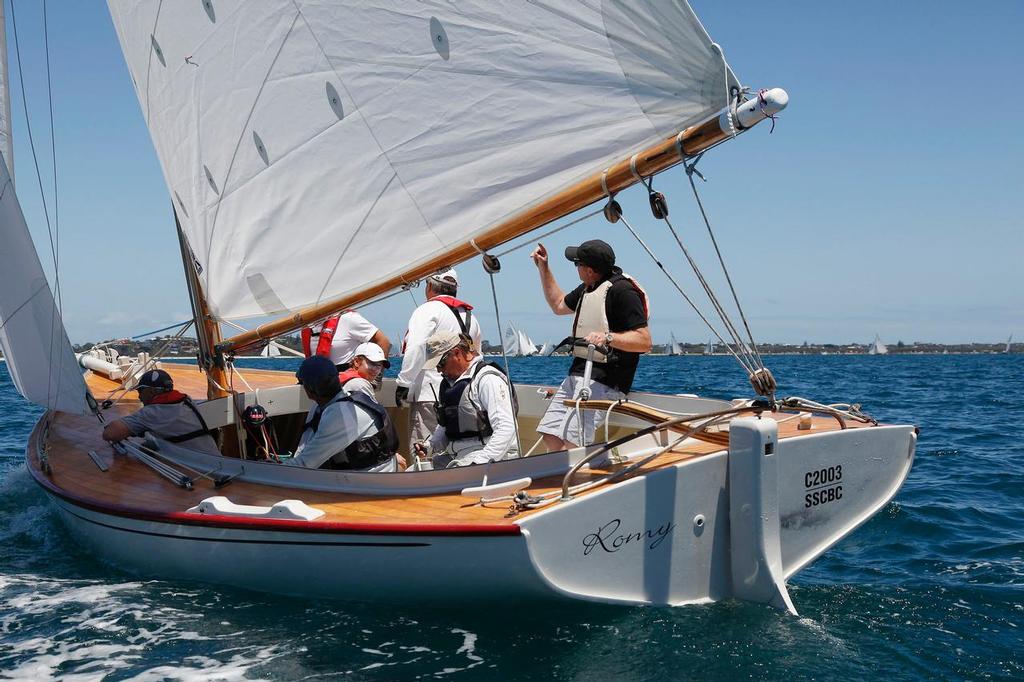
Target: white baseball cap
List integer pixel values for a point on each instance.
(371, 352)
(448, 276)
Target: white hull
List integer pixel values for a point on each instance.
(693, 532)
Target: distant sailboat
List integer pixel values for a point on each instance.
(547, 349)
(1009, 342)
(517, 343)
(674, 348)
(270, 351)
(877, 347)
(710, 348)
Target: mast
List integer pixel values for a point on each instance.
(662, 156)
(207, 329)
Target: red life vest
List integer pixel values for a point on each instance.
(348, 375)
(326, 336)
(171, 397)
(455, 305)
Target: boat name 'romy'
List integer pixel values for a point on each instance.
(606, 538)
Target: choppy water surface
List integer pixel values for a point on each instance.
(932, 587)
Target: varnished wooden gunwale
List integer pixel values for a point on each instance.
(132, 489)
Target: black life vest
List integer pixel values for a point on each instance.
(460, 415)
(176, 398)
(365, 452)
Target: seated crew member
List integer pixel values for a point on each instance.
(442, 311)
(367, 370)
(610, 310)
(343, 431)
(339, 336)
(166, 413)
(476, 412)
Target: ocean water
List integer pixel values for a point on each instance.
(931, 588)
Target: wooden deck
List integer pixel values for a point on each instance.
(132, 489)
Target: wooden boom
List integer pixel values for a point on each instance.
(620, 175)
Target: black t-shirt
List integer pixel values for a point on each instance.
(624, 307)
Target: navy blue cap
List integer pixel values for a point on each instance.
(156, 378)
(315, 368)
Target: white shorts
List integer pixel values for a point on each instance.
(561, 420)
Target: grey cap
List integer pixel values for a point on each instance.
(439, 344)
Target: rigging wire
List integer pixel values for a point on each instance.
(686, 297)
(492, 266)
(532, 239)
(725, 270)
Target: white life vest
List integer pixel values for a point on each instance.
(592, 314)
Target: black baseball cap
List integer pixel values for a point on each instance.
(156, 378)
(314, 369)
(593, 252)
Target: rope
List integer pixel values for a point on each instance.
(153, 359)
(549, 233)
(504, 355)
(722, 314)
(725, 270)
(686, 297)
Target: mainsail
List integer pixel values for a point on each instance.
(39, 355)
(298, 137)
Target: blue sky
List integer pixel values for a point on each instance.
(886, 201)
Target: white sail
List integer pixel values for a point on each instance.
(547, 349)
(674, 348)
(6, 139)
(526, 344)
(877, 347)
(39, 355)
(709, 349)
(510, 340)
(271, 350)
(1009, 342)
(314, 148)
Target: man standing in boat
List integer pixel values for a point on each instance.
(610, 311)
(339, 337)
(343, 430)
(166, 413)
(476, 409)
(442, 312)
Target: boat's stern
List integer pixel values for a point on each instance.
(734, 523)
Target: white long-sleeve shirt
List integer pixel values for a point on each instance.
(430, 317)
(490, 392)
(341, 425)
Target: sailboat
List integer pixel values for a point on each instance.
(1009, 342)
(547, 349)
(271, 350)
(877, 347)
(517, 343)
(312, 133)
(673, 346)
(709, 349)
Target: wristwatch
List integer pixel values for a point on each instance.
(608, 339)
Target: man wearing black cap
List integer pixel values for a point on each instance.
(610, 310)
(166, 413)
